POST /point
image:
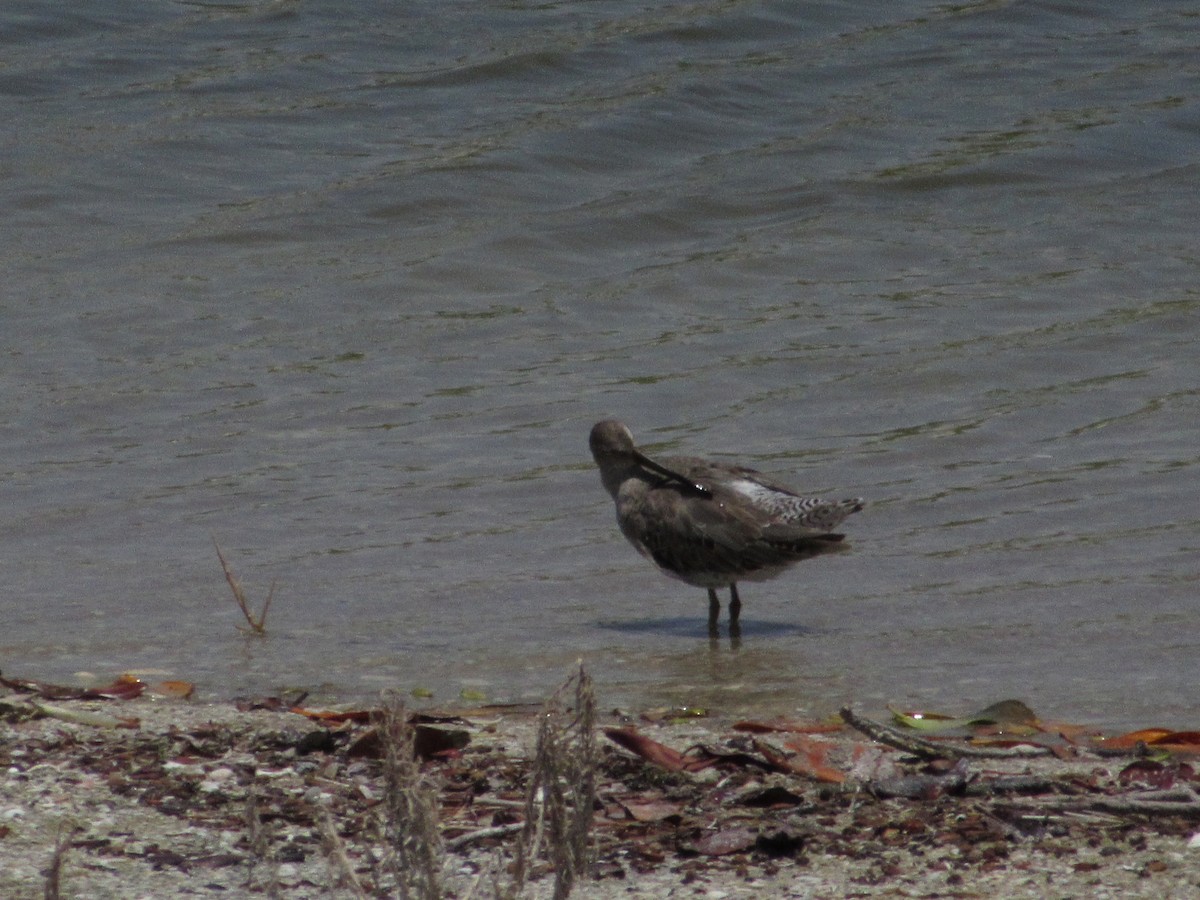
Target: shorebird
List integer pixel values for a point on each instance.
(710, 524)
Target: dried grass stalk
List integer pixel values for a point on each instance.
(410, 808)
(562, 790)
(259, 837)
(53, 886)
(257, 623)
(337, 857)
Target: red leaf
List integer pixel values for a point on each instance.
(1131, 739)
(334, 716)
(1180, 742)
(812, 760)
(126, 687)
(653, 751)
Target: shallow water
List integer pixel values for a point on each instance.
(344, 286)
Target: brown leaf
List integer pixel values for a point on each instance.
(431, 742)
(653, 751)
(334, 716)
(428, 742)
(126, 687)
(177, 690)
(1179, 742)
(1158, 738)
(812, 760)
(1131, 739)
(1007, 712)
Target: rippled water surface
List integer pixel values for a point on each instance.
(344, 286)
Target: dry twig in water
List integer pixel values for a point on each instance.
(257, 623)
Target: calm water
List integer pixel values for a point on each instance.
(344, 286)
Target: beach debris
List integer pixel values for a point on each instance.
(657, 753)
(125, 687)
(83, 716)
(696, 798)
(256, 623)
(560, 796)
(1005, 716)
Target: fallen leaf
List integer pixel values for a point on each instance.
(335, 716)
(176, 690)
(84, 716)
(812, 760)
(1131, 739)
(1180, 742)
(428, 742)
(1068, 732)
(1003, 713)
(126, 687)
(653, 751)
(925, 721)
(1006, 712)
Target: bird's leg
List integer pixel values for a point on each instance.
(735, 605)
(714, 611)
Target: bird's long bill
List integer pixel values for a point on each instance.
(673, 475)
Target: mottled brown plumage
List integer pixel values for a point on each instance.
(710, 524)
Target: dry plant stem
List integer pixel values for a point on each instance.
(260, 847)
(1179, 802)
(260, 622)
(257, 624)
(335, 853)
(562, 790)
(483, 834)
(53, 886)
(933, 749)
(411, 825)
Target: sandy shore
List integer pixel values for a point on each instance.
(187, 799)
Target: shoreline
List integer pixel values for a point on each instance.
(211, 799)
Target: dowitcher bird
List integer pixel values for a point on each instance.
(711, 524)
